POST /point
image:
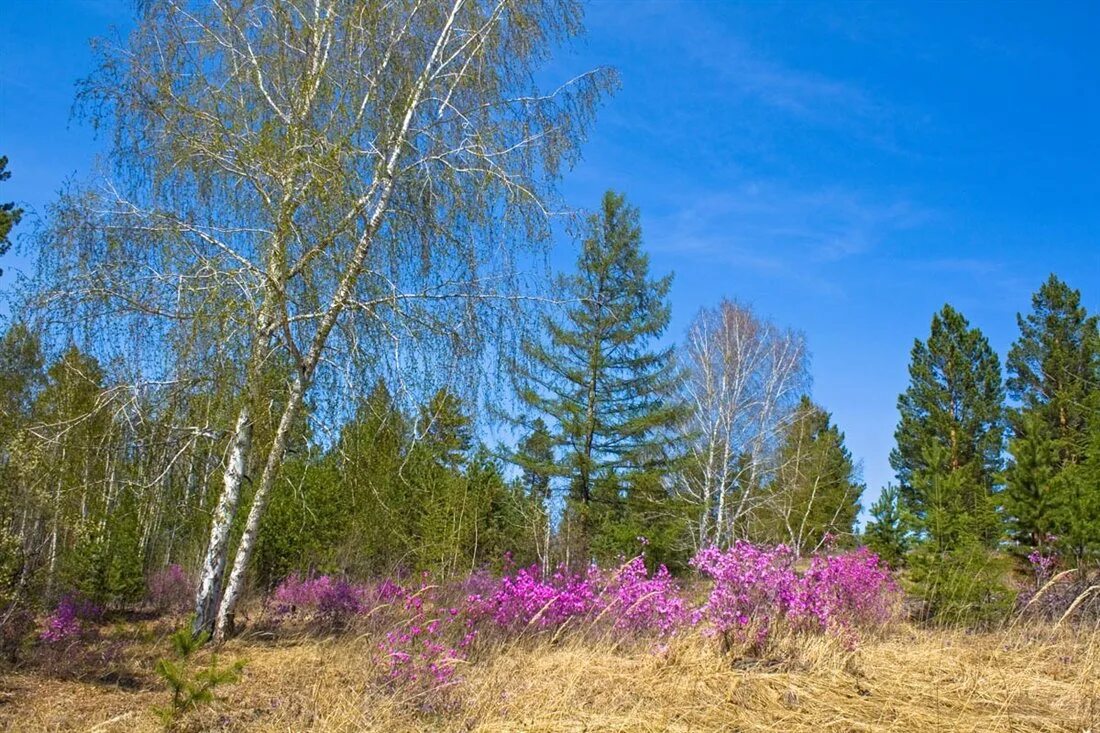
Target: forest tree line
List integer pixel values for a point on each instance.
(300, 322)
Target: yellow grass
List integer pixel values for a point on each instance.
(1024, 679)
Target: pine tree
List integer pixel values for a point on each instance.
(535, 457)
(1054, 375)
(1030, 491)
(10, 214)
(950, 435)
(599, 378)
(815, 491)
(887, 533)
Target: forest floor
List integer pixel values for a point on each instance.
(1022, 679)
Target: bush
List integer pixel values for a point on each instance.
(967, 585)
(170, 590)
(756, 589)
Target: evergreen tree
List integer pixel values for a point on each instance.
(1030, 492)
(815, 491)
(950, 436)
(10, 214)
(371, 459)
(1054, 375)
(887, 533)
(536, 459)
(598, 378)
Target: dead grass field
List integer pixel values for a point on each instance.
(1034, 679)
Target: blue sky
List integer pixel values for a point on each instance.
(846, 169)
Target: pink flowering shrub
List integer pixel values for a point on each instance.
(1042, 566)
(640, 603)
(753, 587)
(327, 600)
(66, 621)
(844, 592)
(170, 589)
(526, 599)
(427, 642)
(757, 588)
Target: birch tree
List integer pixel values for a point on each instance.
(344, 186)
(745, 377)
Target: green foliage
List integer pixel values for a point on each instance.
(815, 491)
(1076, 501)
(966, 584)
(397, 494)
(607, 392)
(10, 214)
(1054, 374)
(950, 436)
(641, 516)
(887, 534)
(304, 523)
(191, 685)
(1030, 499)
(948, 459)
(105, 563)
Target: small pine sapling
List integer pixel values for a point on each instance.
(190, 687)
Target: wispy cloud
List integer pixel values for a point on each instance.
(779, 231)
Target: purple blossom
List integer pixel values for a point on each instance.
(65, 622)
(170, 589)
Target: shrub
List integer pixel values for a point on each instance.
(66, 621)
(756, 588)
(966, 585)
(526, 599)
(639, 603)
(170, 590)
(329, 601)
(846, 591)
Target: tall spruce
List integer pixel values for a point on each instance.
(599, 377)
(1054, 375)
(950, 435)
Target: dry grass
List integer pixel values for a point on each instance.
(1036, 679)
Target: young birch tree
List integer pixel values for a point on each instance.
(340, 186)
(745, 377)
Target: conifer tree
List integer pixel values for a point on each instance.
(1054, 375)
(599, 377)
(887, 533)
(948, 461)
(950, 436)
(815, 490)
(10, 214)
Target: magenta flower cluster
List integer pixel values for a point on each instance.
(757, 588)
(1042, 565)
(426, 648)
(328, 600)
(628, 599)
(66, 621)
(429, 630)
(170, 589)
(526, 598)
(639, 602)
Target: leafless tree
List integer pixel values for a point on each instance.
(745, 376)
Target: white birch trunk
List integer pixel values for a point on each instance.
(213, 567)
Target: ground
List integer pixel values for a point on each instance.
(908, 679)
